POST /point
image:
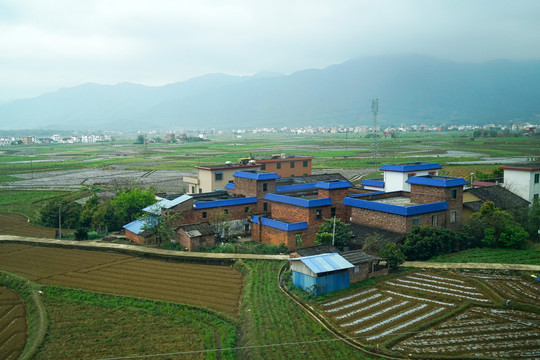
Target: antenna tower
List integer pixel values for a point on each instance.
(374, 131)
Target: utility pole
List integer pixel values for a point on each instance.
(374, 131)
(60, 220)
(334, 232)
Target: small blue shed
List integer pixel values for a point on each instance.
(321, 274)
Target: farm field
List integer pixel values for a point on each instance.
(84, 325)
(12, 224)
(215, 287)
(387, 315)
(13, 324)
(487, 255)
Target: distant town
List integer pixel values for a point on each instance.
(181, 135)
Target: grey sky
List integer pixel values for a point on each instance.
(45, 45)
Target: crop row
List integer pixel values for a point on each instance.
(479, 332)
(13, 326)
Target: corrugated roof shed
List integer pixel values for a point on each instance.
(359, 257)
(324, 263)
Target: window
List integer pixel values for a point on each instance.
(278, 165)
(265, 206)
(200, 191)
(292, 164)
(434, 220)
(246, 209)
(453, 196)
(453, 214)
(535, 197)
(246, 227)
(536, 178)
(219, 176)
(356, 269)
(332, 212)
(319, 214)
(265, 187)
(204, 214)
(226, 211)
(193, 189)
(263, 166)
(416, 220)
(304, 163)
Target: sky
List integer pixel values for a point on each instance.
(47, 45)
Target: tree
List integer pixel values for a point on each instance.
(374, 243)
(424, 242)
(129, 204)
(106, 218)
(494, 227)
(164, 225)
(219, 219)
(140, 139)
(342, 237)
(393, 253)
(68, 212)
(89, 208)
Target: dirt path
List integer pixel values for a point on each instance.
(495, 266)
(93, 244)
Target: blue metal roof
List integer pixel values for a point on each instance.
(396, 209)
(406, 167)
(325, 263)
(295, 187)
(229, 186)
(298, 201)
(439, 181)
(256, 175)
(227, 202)
(136, 226)
(374, 183)
(333, 184)
(165, 204)
(280, 224)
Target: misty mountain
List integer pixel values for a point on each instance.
(410, 89)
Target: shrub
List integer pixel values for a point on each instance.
(81, 234)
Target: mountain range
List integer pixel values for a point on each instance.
(410, 89)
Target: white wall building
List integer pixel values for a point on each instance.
(523, 180)
(396, 176)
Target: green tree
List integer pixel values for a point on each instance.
(393, 253)
(496, 228)
(374, 243)
(129, 204)
(342, 237)
(140, 139)
(424, 242)
(164, 225)
(89, 208)
(106, 218)
(219, 220)
(68, 212)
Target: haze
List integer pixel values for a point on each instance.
(46, 45)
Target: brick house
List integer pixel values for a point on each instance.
(285, 165)
(214, 177)
(195, 236)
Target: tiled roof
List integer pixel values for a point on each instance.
(396, 209)
(316, 250)
(197, 229)
(276, 224)
(228, 202)
(501, 197)
(439, 181)
(325, 263)
(359, 257)
(256, 175)
(298, 201)
(374, 183)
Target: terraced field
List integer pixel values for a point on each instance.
(215, 287)
(12, 224)
(13, 324)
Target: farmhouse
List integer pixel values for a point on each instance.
(283, 165)
(474, 198)
(321, 274)
(523, 180)
(195, 236)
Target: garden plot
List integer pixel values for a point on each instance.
(513, 288)
(373, 315)
(438, 286)
(13, 326)
(480, 332)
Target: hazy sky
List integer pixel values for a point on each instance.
(48, 44)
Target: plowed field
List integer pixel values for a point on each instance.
(211, 286)
(13, 324)
(12, 224)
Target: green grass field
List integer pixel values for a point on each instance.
(500, 256)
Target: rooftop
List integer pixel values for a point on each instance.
(227, 166)
(325, 263)
(436, 180)
(411, 166)
(523, 167)
(256, 175)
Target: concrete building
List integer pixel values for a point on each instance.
(523, 180)
(283, 165)
(214, 177)
(396, 175)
